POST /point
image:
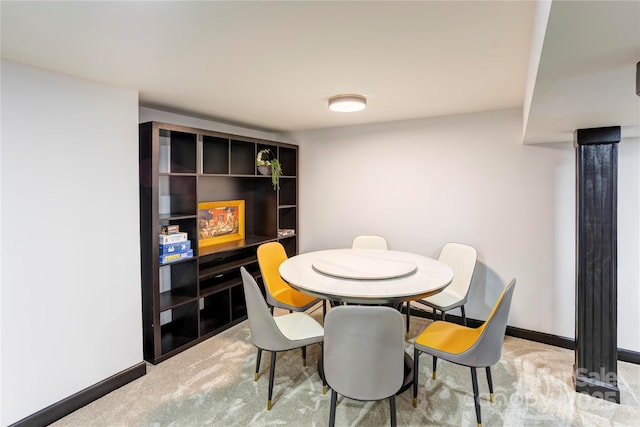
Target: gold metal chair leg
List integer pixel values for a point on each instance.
(434, 366)
(415, 402)
(491, 397)
(255, 378)
(268, 405)
(324, 389)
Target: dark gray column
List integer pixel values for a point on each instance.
(596, 351)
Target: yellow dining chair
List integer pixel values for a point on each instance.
(278, 292)
(281, 333)
(473, 347)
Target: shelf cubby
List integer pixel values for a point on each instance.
(289, 160)
(215, 311)
(177, 282)
(182, 327)
(288, 187)
(243, 157)
(238, 303)
(287, 218)
(215, 155)
(177, 151)
(177, 195)
(290, 245)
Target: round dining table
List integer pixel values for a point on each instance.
(367, 276)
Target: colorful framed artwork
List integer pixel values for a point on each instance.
(220, 222)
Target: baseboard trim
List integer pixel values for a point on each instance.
(629, 356)
(541, 337)
(624, 355)
(76, 401)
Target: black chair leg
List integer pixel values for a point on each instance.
(476, 395)
(271, 309)
(321, 369)
(435, 314)
(304, 356)
(408, 314)
(332, 410)
(258, 364)
(271, 376)
(392, 404)
(464, 317)
(416, 366)
(442, 316)
(488, 369)
(435, 365)
(324, 308)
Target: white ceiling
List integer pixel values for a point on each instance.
(272, 65)
(587, 72)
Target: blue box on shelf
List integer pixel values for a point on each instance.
(172, 248)
(166, 259)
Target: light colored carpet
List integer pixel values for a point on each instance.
(212, 384)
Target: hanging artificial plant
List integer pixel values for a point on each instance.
(266, 158)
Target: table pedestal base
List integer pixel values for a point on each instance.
(408, 373)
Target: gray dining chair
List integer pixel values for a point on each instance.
(462, 260)
(274, 334)
(473, 347)
(363, 354)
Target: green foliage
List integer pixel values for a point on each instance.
(276, 171)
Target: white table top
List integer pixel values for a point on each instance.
(366, 275)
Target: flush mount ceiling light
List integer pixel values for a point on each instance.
(347, 103)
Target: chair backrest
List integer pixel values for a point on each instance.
(488, 347)
(462, 260)
(265, 333)
(369, 242)
(270, 256)
(364, 351)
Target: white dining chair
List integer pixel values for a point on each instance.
(462, 260)
(369, 242)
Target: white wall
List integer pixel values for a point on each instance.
(629, 244)
(468, 178)
(71, 303)
(148, 114)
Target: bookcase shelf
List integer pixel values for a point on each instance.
(189, 300)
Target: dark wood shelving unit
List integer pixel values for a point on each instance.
(187, 301)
